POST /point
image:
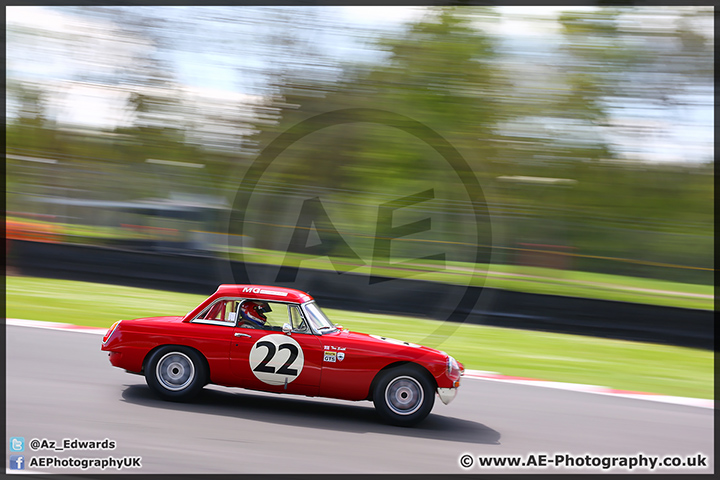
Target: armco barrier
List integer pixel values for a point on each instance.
(202, 275)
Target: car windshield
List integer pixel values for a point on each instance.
(318, 319)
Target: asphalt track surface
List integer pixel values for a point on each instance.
(60, 385)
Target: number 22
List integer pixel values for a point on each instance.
(284, 370)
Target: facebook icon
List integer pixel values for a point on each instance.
(17, 462)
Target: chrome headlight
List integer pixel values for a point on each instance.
(453, 369)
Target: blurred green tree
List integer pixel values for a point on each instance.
(581, 111)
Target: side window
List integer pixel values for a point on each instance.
(222, 311)
(262, 314)
(297, 321)
(272, 316)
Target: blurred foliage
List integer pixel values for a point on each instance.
(569, 113)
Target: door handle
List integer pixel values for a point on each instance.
(242, 335)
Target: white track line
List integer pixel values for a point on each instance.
(473, 374)
(17, 322)
(578, 387)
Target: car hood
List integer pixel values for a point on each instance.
(380, 342)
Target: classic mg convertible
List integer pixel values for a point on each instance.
(278, 340)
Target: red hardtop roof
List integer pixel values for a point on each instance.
(263, 292)
(259, 292)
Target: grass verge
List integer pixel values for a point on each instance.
(520, 278)
(617, 364)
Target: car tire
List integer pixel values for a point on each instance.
(403, 395)
(175, 373)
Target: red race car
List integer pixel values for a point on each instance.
(278, 340)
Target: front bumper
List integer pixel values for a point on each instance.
(447, 394)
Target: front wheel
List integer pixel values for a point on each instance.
(403, 395)
(175, 373)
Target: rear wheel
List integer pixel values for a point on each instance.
(403, 395)
(175, 373)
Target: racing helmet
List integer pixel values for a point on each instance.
(254, 312)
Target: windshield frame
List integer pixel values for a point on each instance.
(317, 319)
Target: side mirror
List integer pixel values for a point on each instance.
(287, 328)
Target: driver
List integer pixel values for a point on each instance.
(253, 312)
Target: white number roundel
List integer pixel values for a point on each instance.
(276, 359)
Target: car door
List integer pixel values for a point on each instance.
(270, 360)
(211, 333)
